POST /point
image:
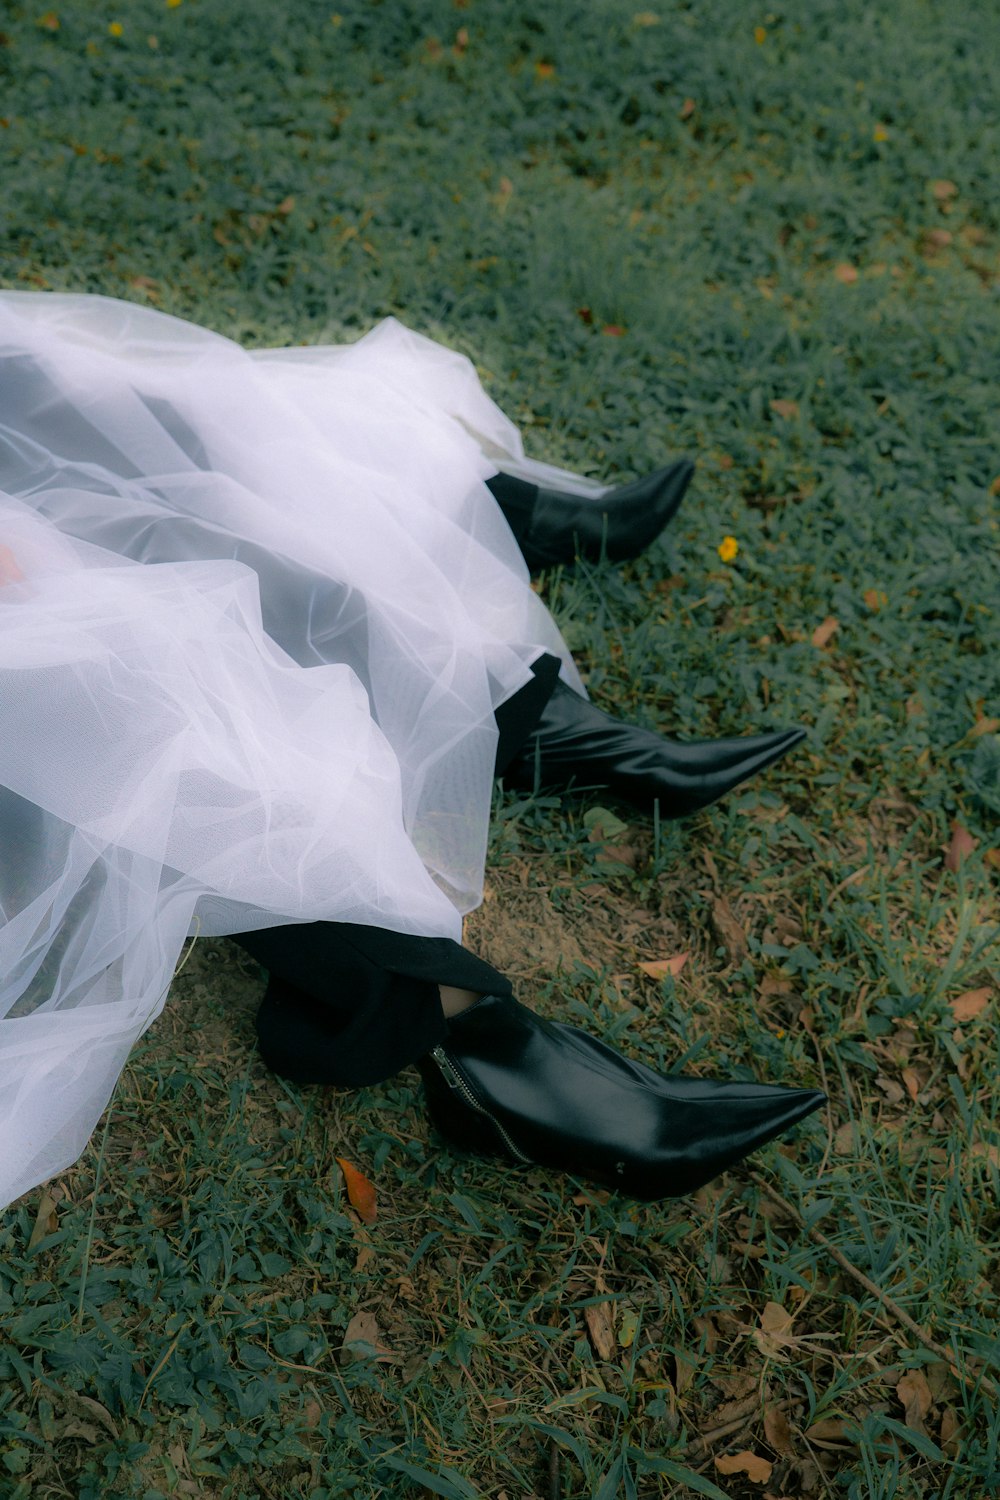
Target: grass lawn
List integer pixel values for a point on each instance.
(765, 239)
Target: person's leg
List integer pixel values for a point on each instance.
(552, 526)
(350, 1006)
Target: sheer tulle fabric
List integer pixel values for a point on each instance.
(268, 607)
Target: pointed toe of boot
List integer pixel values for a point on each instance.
(575, 741)
(508, 1083)
(715, 767)
(619, 524)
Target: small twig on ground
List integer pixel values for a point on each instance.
(555, 1487)
(735, 1424)
(940, 1351)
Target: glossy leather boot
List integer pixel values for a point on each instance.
(552, 526)
(508, 1083)
(577, 741)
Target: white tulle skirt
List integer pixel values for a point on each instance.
(248, 676)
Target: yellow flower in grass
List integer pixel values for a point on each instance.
(728, 548)
(116, 29)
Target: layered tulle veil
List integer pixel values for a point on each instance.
(247, 677)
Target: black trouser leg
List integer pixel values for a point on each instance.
(351, 1005)
(516, 498)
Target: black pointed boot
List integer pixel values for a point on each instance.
(577, 741)
(552, 526)
(508, 1083)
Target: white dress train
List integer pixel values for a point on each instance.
(268, 608)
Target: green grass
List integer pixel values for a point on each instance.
(635, 229)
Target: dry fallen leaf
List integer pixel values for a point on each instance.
(601, 1328)
(960, 847)
(360, 1191)
(729, 930)
(685, 1370)
(828, 1430)
(846, 273)
(915, 1397)
(362, 1337)
(912, 1082)
(823, 632)
(46, 1220)
(777, 1430)
(757, 1469)
(972, 1003)
(659, 968)
(775, 1332)
(949, 1431)
(943, 189)
(784, 408)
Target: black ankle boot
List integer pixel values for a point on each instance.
(508, 1083)
(577, 741)
(552, 526)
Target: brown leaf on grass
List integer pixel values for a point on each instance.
(775, 984)
(365, 1254)
(972, 1003)
(983, 726)
(846, 273)
(828, 1430)
(363, 1338)
(950, 1425)
(822, 634)
(757, 1469)
(686, 110)
(360, 1192)
(874, 599)
(943, 189)
(775, 1332)
(959, 848)
(659, 968)
(915, 1398)
(784, 408)
(625, 855)
(46, 1219)
(777, 1430)
(685, 1370)
(729, 930)
(912, 1082)
(600, 1326)
(148, 285)
(705, 1327)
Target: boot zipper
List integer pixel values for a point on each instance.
(454, 1080)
